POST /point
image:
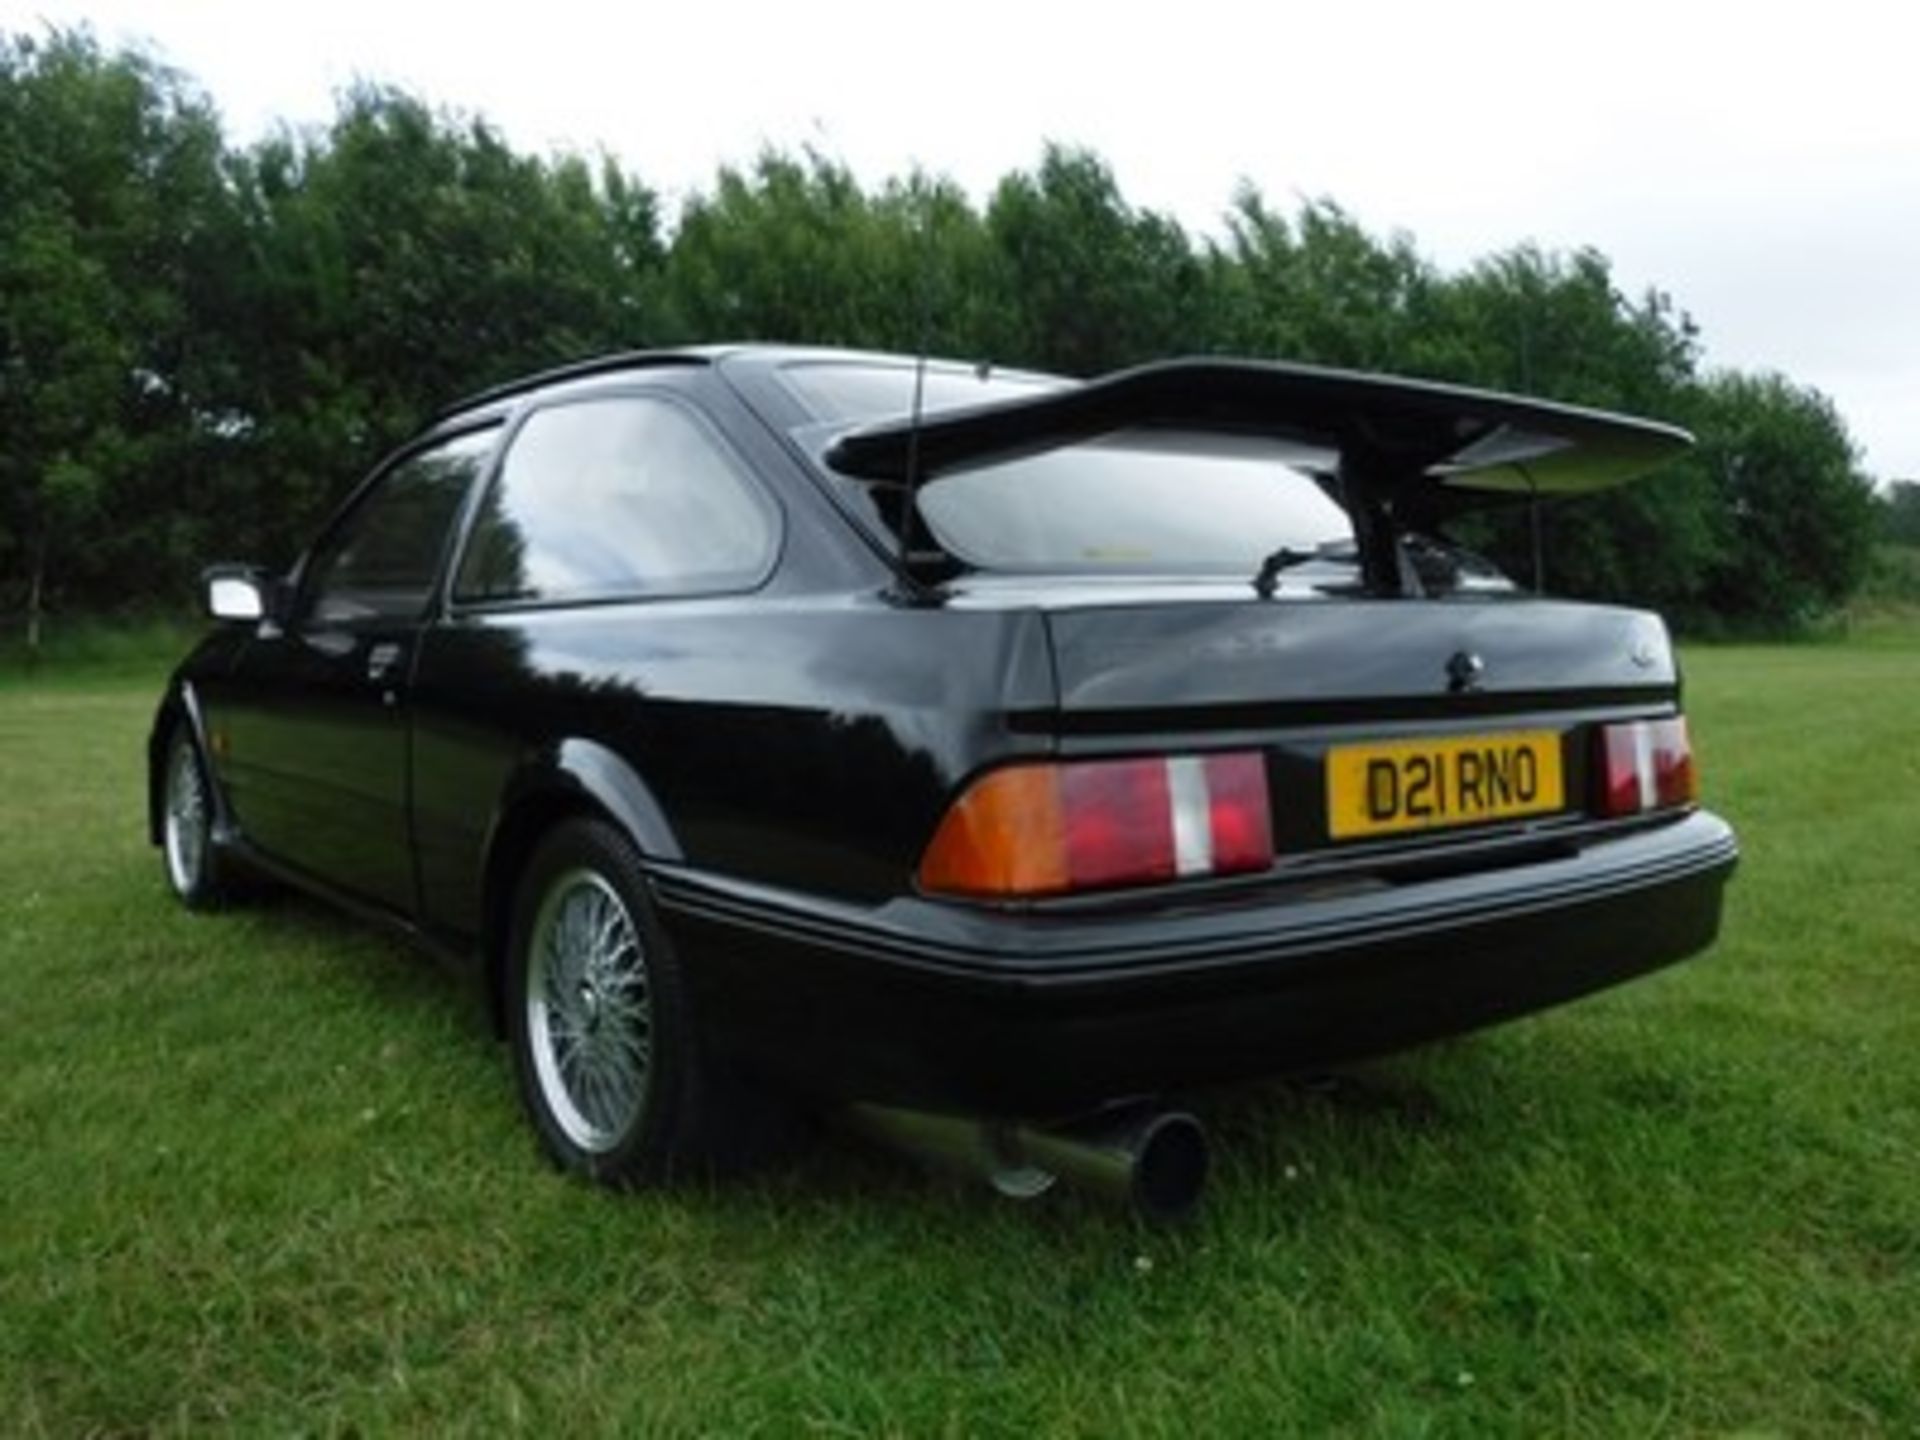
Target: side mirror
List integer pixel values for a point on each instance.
(237, 592)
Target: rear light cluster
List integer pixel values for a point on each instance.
(1050, 829)
(1646, 765)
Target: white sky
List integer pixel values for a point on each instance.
(1759, 161)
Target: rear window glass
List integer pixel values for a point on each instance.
(1138, 500)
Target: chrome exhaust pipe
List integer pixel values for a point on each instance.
(1153, 1161)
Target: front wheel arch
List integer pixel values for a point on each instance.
(176, 710)
(196, 873)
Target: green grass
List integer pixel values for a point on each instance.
(263, 1170)
(91, 648)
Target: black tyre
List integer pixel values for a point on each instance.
(193, 864)
(606, 1053)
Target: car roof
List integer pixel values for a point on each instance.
(594, 367)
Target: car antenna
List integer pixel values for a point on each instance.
(911, 590)
(909, 500)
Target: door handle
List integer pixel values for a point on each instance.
(381, 659)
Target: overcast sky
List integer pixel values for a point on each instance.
(1760, 163)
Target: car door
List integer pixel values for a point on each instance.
(317, 724)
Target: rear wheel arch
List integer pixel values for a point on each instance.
(613, 1065)
(515, 838)
(579, 779)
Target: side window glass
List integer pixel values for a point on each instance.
(622, 496)
(380, 565)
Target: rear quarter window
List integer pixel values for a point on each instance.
(613, 497)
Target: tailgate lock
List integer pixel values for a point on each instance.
(1464, 671)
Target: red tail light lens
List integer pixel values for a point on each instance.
(1116, 822)
(1646, 765)
(1238, 818)
(1049, 829)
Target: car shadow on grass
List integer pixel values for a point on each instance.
(1360, 1123)
(391, 971)
(1356, 1124)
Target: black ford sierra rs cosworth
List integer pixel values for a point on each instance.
(981, 756)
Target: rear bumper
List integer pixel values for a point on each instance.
(1032, 1014)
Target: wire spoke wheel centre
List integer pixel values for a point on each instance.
(589, 1010)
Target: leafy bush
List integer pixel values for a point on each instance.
(203, 347)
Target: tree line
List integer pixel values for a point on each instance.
(203, 345)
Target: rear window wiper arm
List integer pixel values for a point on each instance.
(1267, 579)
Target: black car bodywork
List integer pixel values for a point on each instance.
(781, 742)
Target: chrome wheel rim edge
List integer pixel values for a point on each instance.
(186, 819)
(589, 1010)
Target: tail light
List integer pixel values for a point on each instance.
(1646, 765)
(1048, 829)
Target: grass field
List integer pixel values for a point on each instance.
(264, 1170)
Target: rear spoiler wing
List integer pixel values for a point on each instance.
(1403, 435)
(1402, 454)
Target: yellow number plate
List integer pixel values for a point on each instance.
(1423, 784)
